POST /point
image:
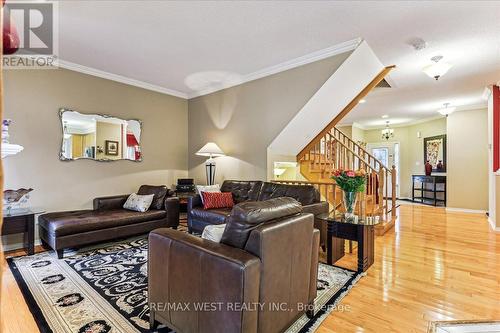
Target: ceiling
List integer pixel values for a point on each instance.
(181, 47)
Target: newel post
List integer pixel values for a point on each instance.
(393, 184)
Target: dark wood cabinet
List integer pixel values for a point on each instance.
(21, 223)
(430, 190)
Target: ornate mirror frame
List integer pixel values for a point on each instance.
(61, 152)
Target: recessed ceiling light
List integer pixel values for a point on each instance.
(385, 116)
(361, 101)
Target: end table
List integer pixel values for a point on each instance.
(360, 230)
(21, 221)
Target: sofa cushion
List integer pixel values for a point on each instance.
(213, 232)
(212, 216)
(247, 216)
(74, 222)
(217, 200)
(305, 194)
(160, 192)
(206, 188)
(242, 190)
(138, 203)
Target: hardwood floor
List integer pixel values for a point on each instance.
(434, 265)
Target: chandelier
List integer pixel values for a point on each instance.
(387, 132)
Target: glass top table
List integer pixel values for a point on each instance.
(338, 217)
(353, 228)
(22, 211)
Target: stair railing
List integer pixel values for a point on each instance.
(337, 151)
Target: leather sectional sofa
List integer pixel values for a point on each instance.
(261, 277)
(243, 191)
(108, 220)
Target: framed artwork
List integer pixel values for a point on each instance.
(435, 152)
(111, 147)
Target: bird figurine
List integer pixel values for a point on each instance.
(11, 196)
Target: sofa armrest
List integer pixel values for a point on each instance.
(111, 202)
(172, 208)
(316, 208)
(185, 271)
(194, 201)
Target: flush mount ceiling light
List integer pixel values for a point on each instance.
(362, 101)
(385, 116)
(447, 109)
(438, 68)
(387, 132)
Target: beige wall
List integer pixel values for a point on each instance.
(357, 134)
(243, 120)
(467, 171)
(32, 100)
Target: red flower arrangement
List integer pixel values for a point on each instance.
(350, 180)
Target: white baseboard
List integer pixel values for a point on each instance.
(465, 210)
(492, 225)
(17, 246)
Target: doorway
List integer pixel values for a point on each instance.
(388, 154)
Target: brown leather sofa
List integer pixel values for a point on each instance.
(108, 220)
(260, 278)
(307, 195)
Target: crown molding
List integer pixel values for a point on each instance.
(475, 107)
(118, 78)
(486, 93)
(284, 66)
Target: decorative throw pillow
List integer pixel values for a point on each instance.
(213, 232)
(217, 200)
(159, 191)
(209, 188)
(139, 203)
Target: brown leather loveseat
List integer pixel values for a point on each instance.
(260, 278)
(307, 195)
(108, 220)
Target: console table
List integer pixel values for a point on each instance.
(360, 230)
(432, 189)
(21, 221)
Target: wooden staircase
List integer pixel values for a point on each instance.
(331, 149)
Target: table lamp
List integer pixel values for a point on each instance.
(211, 150)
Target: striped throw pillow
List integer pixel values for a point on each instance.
(217, 200)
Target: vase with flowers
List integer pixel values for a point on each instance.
(351, 182)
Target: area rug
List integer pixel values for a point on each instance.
(104, 289)
(465, 326)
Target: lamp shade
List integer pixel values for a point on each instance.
(210, 149)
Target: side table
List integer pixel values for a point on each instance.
(360, 230)
(21, 221)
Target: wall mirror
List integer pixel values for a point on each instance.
(99, 137)
(435, 152)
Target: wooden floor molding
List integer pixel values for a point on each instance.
(433, 265)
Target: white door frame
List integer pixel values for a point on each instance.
(398, 164)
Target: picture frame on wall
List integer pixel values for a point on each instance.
(111, 148)
(435, 152)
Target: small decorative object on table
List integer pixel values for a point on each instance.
(428, 168)
(351, 182)
(440, 166)
(16, 199)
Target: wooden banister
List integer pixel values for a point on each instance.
(365, 152)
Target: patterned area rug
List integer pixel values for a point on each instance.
(104, 289)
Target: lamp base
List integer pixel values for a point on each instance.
(210, 170)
